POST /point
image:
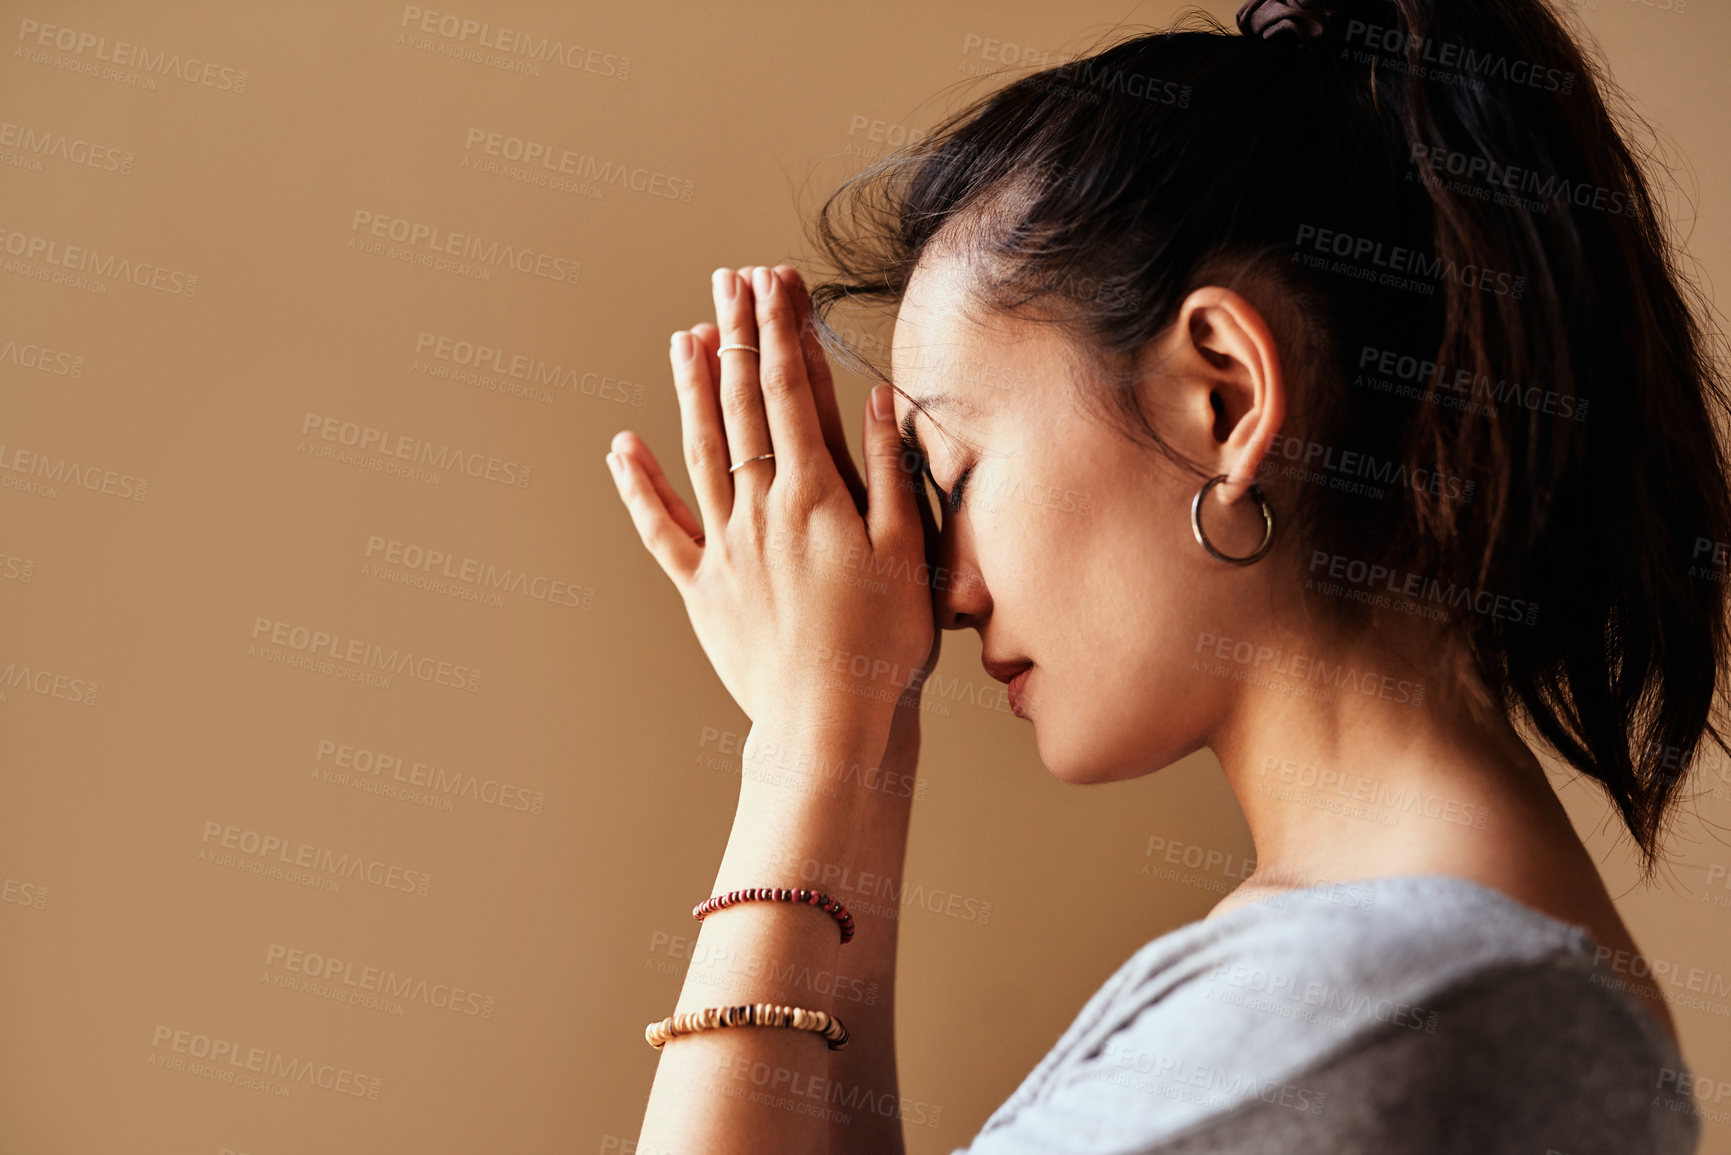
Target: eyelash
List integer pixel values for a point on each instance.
(953, 501)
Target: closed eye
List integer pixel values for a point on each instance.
(953, 500)
(913, 453)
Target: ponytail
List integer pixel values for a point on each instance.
(1599, 520)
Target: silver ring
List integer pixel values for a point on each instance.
(747, 348)
(1202, 538)
(749, 460)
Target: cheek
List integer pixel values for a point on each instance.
(1109, 611)
(1076, 577)
(1027, 555)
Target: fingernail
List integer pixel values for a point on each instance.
(727, 282)
(614, 464)
(882, 409)
(763, 281)
(682, 346)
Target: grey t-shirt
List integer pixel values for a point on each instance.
(1414, 1014)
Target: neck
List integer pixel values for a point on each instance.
(1363, 783)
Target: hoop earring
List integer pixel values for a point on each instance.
(1202, 538)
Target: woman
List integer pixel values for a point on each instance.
(1324, 395)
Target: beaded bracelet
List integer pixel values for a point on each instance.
(779, 894)
(748, 1015)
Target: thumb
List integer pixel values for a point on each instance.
(892, 476)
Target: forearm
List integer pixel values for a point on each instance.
(756, 1089)
(866, 1075)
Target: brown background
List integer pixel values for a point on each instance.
(118, 921)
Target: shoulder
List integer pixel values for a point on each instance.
(1405, 935)
(1526, 1056)
(1222, 1013)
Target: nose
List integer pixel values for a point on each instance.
(961, 599)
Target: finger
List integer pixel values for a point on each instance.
(817, 372)
(709, 342)
(741, 400)
(793, 427)
(638, 450)
(670, 546)
(893, 518)
(709, 337)
(702, 438)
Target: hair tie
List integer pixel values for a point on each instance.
(1297, 21)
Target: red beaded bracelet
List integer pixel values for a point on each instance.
(779, 894)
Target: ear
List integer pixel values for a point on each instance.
(1231, 391)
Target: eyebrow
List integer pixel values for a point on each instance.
(927, 401)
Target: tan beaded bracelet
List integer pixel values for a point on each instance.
(748, 1015)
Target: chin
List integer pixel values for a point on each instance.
(1070, 757)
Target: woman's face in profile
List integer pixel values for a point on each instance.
(1070, 544)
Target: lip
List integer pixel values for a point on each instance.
(1016, 691)
(1004, 671)
(1015, 676)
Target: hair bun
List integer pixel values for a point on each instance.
(1298, 21)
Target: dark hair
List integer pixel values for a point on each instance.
(1581, 483)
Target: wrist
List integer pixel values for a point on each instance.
(812, 760)
(904, 733)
